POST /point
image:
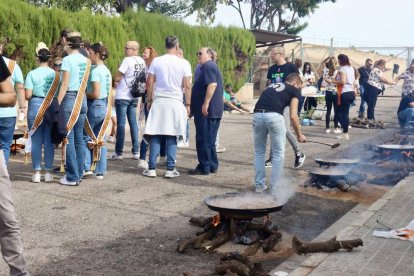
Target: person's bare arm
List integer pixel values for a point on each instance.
(96, 91)
(118, 76)
(411, 104)
(232, 106)
(385, 81)
(294, 120)
(28, 93)
(150, 89)
(209, 94)
(187, 93)
(7, 95)
(63, 86)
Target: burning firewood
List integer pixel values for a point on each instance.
(332, 245)
(201, 221)
(365, 123)
(239, 264)
(223, 238)
(196, 241)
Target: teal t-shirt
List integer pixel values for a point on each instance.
(75, 64)
(102, 75)
(39, 81)
(16, 77)
(226, 96)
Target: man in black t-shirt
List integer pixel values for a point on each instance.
(364, 72)
(277, 74)
(10, 239)
(207, 108)
(406, 110)
(269, 120)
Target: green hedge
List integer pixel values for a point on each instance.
(26, 25)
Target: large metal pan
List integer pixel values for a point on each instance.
(243, 205)
(330, 172)
(332, 161)
(396, 147)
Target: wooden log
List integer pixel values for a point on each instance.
(234, 266)
(196, 241)
(201, 221)
(238, 257)
(230, 273)
(271, 241)
(331, 245)
(253, 248)
(209, 247)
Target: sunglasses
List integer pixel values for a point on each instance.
(57, 65)
(199, 53)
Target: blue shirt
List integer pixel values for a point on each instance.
(75, 64)
(16, 77)
(102, 75)
(39, 81)
(209, 73)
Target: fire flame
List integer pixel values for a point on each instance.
(216, 220)
(407, 153)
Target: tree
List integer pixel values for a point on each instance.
(275, 15)
(174, 8)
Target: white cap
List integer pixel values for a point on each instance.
(40, 46)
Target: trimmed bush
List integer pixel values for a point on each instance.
(26, 25)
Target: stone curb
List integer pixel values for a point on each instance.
(314, 260)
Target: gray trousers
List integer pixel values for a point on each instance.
(289, 134)
(10, 241)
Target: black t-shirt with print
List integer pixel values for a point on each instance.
(276, 97)
(278, 73)
(209, 73)
(405, 102)
(4, 71)
(364, 75)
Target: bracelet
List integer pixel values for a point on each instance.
(188, 104)
(23, 107)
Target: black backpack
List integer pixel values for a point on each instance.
(138, 85)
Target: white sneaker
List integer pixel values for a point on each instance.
(64, 181)
(111, 139)
(36, 177)
(261, 189)
(337, 130)
(344, 136)
(142, 164)
(48, 177)
(172, 174)
(349, 126)
(182, 144)
(150, 173)
(87, 173)
(99, 176)
(117, 157)
(220, 149)
(135, 156)
(327, 131)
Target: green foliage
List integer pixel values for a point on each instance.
(26, 25)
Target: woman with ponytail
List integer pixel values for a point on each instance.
(99, 114)
(39, 83)
(72, 114)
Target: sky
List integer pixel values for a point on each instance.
(380, 23)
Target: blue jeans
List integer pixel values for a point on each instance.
(406, 116)
(6, 135)
(126, 109)
(370, 96)
(75, 149)
(206, 134)
(96, 115)
(155, 146)
(144, 147)
(272, 124)
(41, 137)
(363, 102)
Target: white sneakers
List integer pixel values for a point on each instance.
(337, 130)
(142, 164)
(182, 144)
(117, 157)
(260, 189)
(172, 174)
(149, 173)
(327, 131)
(220, 149)
(36, 177)
(168, 174)
(135, 156)
(344, 136)
(64, 181)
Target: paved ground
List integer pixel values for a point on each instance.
(130, 225)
